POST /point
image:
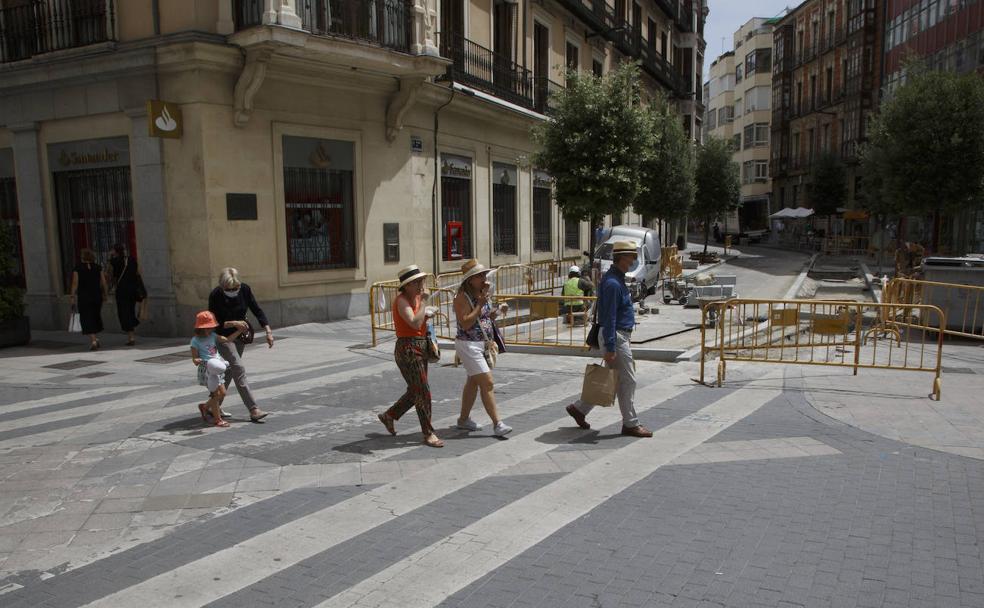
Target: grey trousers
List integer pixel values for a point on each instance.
(233, 353)
(625, 367)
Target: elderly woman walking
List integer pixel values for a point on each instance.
(476, 334)
(125, 277)
(410, 317)
(230, 302)
(86, 295)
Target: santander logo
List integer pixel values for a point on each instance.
(165, 122)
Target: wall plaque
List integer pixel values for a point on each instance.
(240, 206)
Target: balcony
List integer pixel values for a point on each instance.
(386, 23)
(543, 91)
(832, 40)
(486, 70)
(42, 26)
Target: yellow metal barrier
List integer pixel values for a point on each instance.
(847, 245)
(545, 320)
(828, 333)
(962, 304)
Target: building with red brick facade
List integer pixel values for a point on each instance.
(826, 69)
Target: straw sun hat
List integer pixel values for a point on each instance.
(624, 247)
(410, 274)
(471, 268)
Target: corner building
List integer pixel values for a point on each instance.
(317, 146)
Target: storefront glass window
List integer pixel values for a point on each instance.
(319, 203)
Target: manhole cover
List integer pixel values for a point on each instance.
(168, 358)
(95, 374)
(958, 370)
(76, 364)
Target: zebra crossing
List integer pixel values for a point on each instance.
(319, 439)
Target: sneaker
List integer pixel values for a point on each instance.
(469, 425)
(501, 429)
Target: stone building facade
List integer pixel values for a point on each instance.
(317, 146)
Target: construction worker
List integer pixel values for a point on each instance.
(575, 286)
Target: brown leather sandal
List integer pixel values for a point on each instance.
(435, 442)
(388, 423)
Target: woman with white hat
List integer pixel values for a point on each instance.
(410, 318)
(475, 330)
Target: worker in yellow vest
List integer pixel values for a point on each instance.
(578, 287)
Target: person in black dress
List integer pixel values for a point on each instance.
(87, 294)
(126, 278)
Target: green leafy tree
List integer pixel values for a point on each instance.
(668, 169)
(925, 153)
(828, 191)
(594, 145)
(718, 186)
(11, 296)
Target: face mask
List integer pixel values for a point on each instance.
(231, 294)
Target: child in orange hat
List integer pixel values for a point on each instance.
(211, 366)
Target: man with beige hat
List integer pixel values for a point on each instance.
(617, 320)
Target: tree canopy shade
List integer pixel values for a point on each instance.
(595, 143)
(718, 185)
(668, 170)
(926, 146)
(828, 191)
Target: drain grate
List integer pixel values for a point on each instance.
(95, 374)
(958, 370)
(168, 358)
(76, 364)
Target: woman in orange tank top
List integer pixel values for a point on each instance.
(410, 317)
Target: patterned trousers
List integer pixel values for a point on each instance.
(411, 358)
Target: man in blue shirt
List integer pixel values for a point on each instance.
(617, 319)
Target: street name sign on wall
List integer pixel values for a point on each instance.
(164, 119)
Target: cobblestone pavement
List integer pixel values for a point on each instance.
(786, 487)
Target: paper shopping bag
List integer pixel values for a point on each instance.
(599, 385)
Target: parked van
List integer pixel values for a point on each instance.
(644, 274)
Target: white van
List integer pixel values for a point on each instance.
(644, 274)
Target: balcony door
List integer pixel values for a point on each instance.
(503, 28)
(453, 30)
(541, 63)
(636, 25)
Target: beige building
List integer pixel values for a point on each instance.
(318, 146)
(740, 110)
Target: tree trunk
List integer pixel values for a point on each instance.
(592, 245)
(707, 233)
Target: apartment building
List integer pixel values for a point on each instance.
(317, 145)
(825, 86)
(740, 110)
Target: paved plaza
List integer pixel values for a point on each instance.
(786, 487)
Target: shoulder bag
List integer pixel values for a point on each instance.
(592, 339)
(491, 351)
(433, 348)
(247, 336)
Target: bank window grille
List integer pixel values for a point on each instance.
(95, 211)
(456, 207)
(572, 234)
(541, 220)
(10, 217)
(504, 219)
(320, 217)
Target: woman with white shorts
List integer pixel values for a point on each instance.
(476, 319)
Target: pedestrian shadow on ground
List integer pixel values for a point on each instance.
(188, 427)
(575, 436)
(385, 441)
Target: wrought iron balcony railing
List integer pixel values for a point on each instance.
(42, 26)
(543, 91)
(387, 23)
(486, 70)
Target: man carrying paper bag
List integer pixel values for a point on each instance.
(616, 319)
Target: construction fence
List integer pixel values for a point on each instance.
(963, 305)
(856, 335)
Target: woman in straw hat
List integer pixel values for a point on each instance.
(410, 318)
(476, 327)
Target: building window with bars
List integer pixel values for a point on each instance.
(542, 197)
(572, 234)
(456, 179)
(503, 209)
(319, 203)
(10, 217)
(93, 199)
